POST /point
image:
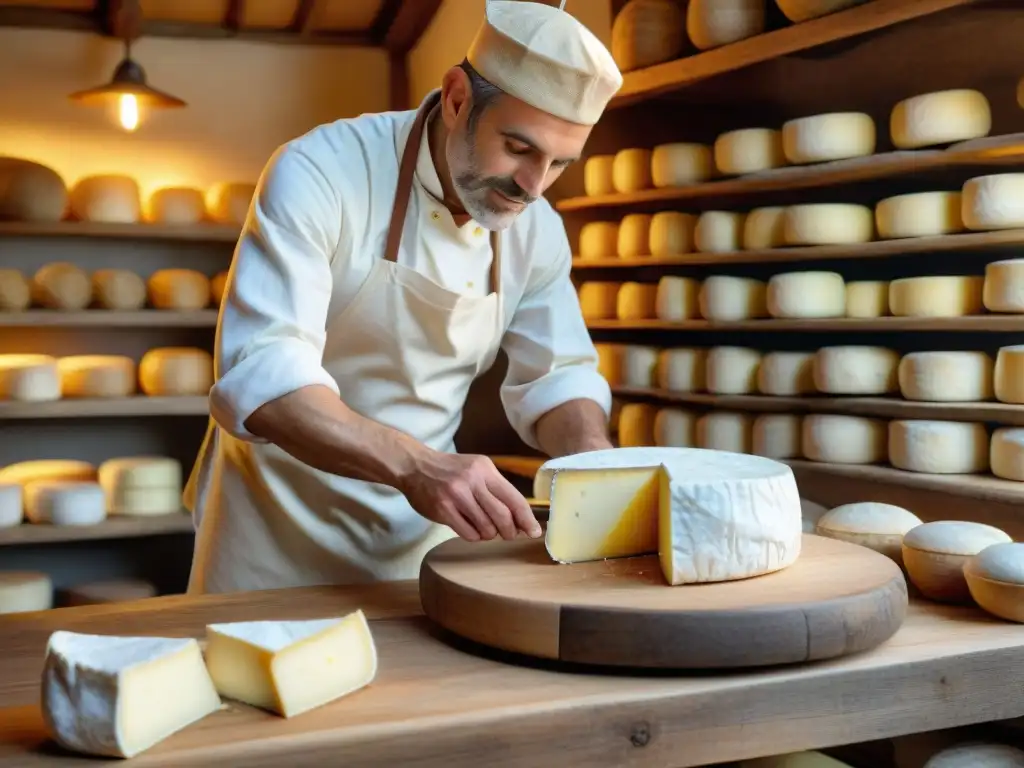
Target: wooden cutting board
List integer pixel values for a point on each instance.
(837, 599)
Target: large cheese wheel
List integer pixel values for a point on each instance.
(679, 164)
(647, 32)
(1009, 374)
(631, 170)
(724, 298)
(922, 214)
(732, 370)
(15, 291)
(1006, 453)
(832, 136)
(30, 191)
(170, 371)
(598, 240)
(713, 23)
(940, 118)
(108, 591)
(64, 502)
(110, 198)
(597, 175)
(719, 231)
(11, 505)
(867, 298)
(856, 370)
(828, 224)
(176, 205)
(636, 301)
(639, 365)
(946, 377)
(938, 296)
(634, 236)
(181, 289)
(675, 428)
(636, 424)
(218, 285)
(672, 234)
(993, 202)
(748, 150)
(118, 289)
(1004, 286)
(61, 285)
(808, 294)
(609, 362)
(938, 447)
(837, 439)
(228, 202)
(141, 485)
(786, 374)
(978, 755)
(25, 472)
(29, 378)
(726, 431)
(764, 228)
(682, 369)
(598, 299)
(678, 298)
(97, 376)
(22, 591)
(804, 10)
(777, 435)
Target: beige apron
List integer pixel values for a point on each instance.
(404, 353)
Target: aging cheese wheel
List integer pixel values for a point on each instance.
(11, 505)
(61, 285)
(609, 362)
(786, 374)
(726, 431)
(724, 298)
(597, 175)
(598, 240)
(141, 485)
(15, 291)
(64, 502)
(946, 377)
(636, 424)
(169, 371)
(22, 591)
(832, 136)
(839, 439)
(806, 295)
(30, 191)
(631, 170)
(870, 524)
(867, 298)
(935, 554)
(764, 228)
(119, 289)
(748, 150)
(1006, 453)
(938, 296)
(713, 23)
(598, 299)
(228, 202)
(218, 284)
(777, 435)
(29, 378)
(647, 32)
(176, 205)
(675, 428)
(182, 289)
(940, 118)
(96, 376)
(639, 365)
(828, 224)
(636, 301)
(678, 298)
(993, 202)
(923, 214)
(719, 231)
(856, 370)
(978, 755)
(110, 198)
(1004, 286)
(938, 447)
(995, 578)
(804, 10)
(634, 236)
(25, 472)
(1009, 374)
(682, 369)
(732, 370)
(672, 234)
(681, 163)
(108, 591)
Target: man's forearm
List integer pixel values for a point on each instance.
(573, 427)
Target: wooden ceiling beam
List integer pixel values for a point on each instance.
(408, 21)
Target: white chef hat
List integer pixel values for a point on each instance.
(545, 57)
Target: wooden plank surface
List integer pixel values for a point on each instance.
(111, 528)
(109, 318)
(213, 233)
(973, 323)
(96, 407)
(437, 702)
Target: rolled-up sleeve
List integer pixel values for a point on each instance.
(551, 359)
(271, 334)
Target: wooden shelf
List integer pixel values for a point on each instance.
(877, 249)
(520, 466)
(661, 79)
(113, 407)
(213, 233)
(973, 323)
(111, 528)
(883, 407)
(107, 318)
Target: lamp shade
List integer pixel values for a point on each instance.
(129, 80)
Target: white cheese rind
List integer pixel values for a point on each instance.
(938, 447)
(29, 378)
(61, 502)
(24, 591)
(809, 294)
(946, 377)
(856, 370)
(832, 136)
(922, 214)
(1004, 286)
(992, 202)
(11, 505)
(942, 117)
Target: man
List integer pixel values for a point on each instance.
(385, 260)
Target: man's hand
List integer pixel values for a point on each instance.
(468, 494)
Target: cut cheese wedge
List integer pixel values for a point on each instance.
(710, 515)
(291, 667)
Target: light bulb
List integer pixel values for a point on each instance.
(128, 111)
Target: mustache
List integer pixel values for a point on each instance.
(506, 185)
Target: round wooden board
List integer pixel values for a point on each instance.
(837, 599)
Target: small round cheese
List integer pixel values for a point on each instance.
(631, 170)
(22, 591)
(108, 591)
(993, 202)
(64, 502)
(714, 23)
(29, 378)
(940, 118)
(938, 447)
(15, 291)
(181, 289)
(598, 299)
(764, 228)
(109, 198)
(682, 369)
(870, 524)
(175, 371)
(639, 365)
(30, 191)
(636, 301)
(978, 755)
(609, 362)
(946, 377)
(936, 296)
(598, 240)
(11, 505)
(634, 236)
(678, 298)
(139, 472)
(218, 284)
(726, 431)
(61, 285)
(777, 435)
(806, 295)
(674, 427)
(828, 224)
(48, 469)
(672, 234)
(597, 175)
(1004, 286)
(732, 370)
(96, 376)
(786, 374)
(1008, 379)
(176, 205)
(228, 202)
(836, 439)
(935, 553)
(636, 424)
(1006, 453)
(719, 232)
(647, 32)
(748, 150)
(833, 136)
(923, 214)
(805, 10)
(680, 164)
(119, 289)
(811, 512)
(724, 298)
(856, 370)
(995, 578)
(867, 298)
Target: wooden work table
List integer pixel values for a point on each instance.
(439, 702)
